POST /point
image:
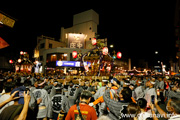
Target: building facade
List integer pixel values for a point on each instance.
(76, 38)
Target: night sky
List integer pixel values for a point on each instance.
(137, 29)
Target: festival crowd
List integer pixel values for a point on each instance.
(53, 97)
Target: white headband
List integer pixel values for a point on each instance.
(104, 80)
(152, 82)
(139, 82)
(127, 83)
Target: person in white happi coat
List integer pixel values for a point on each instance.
(150, 91)
(100, 93)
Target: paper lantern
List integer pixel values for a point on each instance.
(21, 53)
(74, 54)
(10, 61)
(105, 51)
(94, 42)
(119, 55)
(19, 60)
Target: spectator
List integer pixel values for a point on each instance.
(150, 91)
(40, 93)
(113, 92)
(72, 90)
(116, 108)
(161, 89)
(173, 106)
(142, 103)
(100, 93)
(79, 90)
(132, 111)
(58, 103)
(88, 112)
(8, 87)
(11, 98)
(138, 91)
(18, 111)
(173, 92)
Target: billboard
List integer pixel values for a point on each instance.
(71, 63)
(76, 40)
(68, 63)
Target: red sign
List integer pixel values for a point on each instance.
(119, 55)
(74, 54)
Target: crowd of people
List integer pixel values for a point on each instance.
(45, 97)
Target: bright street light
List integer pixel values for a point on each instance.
(156, 52)
(111, 46)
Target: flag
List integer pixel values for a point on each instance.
(3, 43)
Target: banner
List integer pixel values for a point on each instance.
(3, 43)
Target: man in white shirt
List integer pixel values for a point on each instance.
(150, 91)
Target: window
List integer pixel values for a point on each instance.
(53, 57)
(50, 45)
(42, 45)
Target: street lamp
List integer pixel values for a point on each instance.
(156, 52)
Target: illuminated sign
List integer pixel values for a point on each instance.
(6, 20)
(71, 63)
(76, 40)
(68, 63)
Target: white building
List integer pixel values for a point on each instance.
(76, 38)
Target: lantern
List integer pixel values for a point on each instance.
(10, 61)
(19, 60)
(105, 51)
(74, 54)
(119, 55)
(21, 53)
(94, 42)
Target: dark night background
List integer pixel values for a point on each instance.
(137, 29)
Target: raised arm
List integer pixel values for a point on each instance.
(11, 98)
(24, 111)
